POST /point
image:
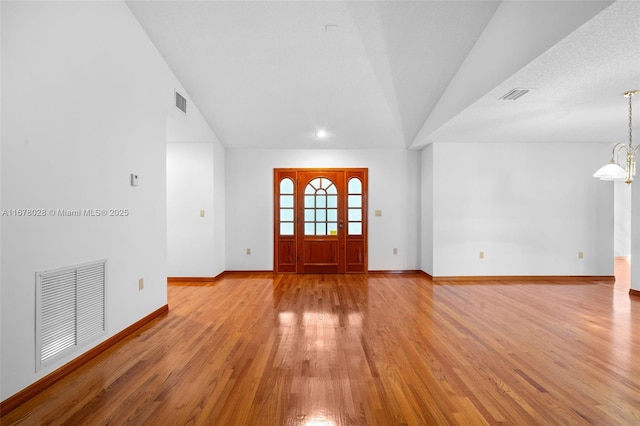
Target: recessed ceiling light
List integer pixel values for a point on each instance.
(321, 134)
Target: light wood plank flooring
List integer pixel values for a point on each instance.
(378, 349)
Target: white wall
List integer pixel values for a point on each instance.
(89, 97)
(426, 210)
(1, 202)
(635, 234)
(530, 207)
(190, 237)
(393, 188)
(195, 181)
(622, 219)
(219, 209)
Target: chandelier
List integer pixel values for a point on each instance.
(613, 170)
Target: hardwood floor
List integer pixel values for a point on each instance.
(378, 349)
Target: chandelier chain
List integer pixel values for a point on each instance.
(630, 117)
(613, 170)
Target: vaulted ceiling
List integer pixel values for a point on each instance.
(401, 74)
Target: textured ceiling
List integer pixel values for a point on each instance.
(395, 74)
(578, 87)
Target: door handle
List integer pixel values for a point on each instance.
(340, 224)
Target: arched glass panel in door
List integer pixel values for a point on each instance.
(321, 207)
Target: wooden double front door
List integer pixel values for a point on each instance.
(320, 220)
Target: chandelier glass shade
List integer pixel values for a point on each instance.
(613, 170)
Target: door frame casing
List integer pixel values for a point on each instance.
(354, 251)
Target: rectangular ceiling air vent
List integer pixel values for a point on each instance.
(181, 102)
(514, 94)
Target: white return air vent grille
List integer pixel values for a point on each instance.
(181, 102)
(70, 309)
